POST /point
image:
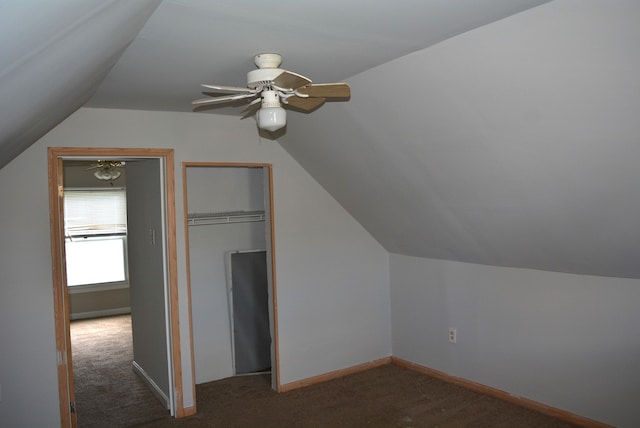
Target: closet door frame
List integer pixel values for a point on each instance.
(271, 259)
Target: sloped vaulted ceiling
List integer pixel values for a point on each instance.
(516, 144)
(53, 56)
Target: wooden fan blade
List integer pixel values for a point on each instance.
(251, 108)
(290, 80)
(253, 105)
(232, 89)
(222, 99)
(98, 164)
(305, 104)
(102, 164)
(327, 90)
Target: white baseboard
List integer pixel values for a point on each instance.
(103, 313)
(154, 387)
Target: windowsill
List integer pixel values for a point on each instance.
(91, 288)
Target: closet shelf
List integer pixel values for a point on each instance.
(198, 219)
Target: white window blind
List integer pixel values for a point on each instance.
(95, 224)
(95, 212)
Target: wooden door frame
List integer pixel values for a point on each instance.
(60, 293)
(276, 363)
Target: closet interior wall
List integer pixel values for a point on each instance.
(211, 191)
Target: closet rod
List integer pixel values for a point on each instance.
(197, 219)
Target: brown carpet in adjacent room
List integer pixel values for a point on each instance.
(388, 396)
(108, 392)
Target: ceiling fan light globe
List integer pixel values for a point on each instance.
(271, 118)
(106, 173)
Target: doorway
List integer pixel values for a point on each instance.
(228, 210)
(95, 228)
(162, 230)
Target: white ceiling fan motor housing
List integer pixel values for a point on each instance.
(268, 60)
(262, 77)
(267, 71)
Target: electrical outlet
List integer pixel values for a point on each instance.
(452, 335)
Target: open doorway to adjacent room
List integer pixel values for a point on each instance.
(120, 264)
(97, 279)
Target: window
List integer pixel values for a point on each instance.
(95, 224)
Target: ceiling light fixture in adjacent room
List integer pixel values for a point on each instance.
(107, 170)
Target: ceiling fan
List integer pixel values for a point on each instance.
(106, 170)
(274, 87)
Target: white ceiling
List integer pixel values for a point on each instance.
(55, 55)
(188, 42)
(468, 137)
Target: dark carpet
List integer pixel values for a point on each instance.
(388, 396)
(108, 392)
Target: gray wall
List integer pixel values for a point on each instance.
(99, 303)
(569, 341)
(566, 340)
(338, 287)
(147, 259)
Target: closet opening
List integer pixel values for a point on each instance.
(230, 268)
